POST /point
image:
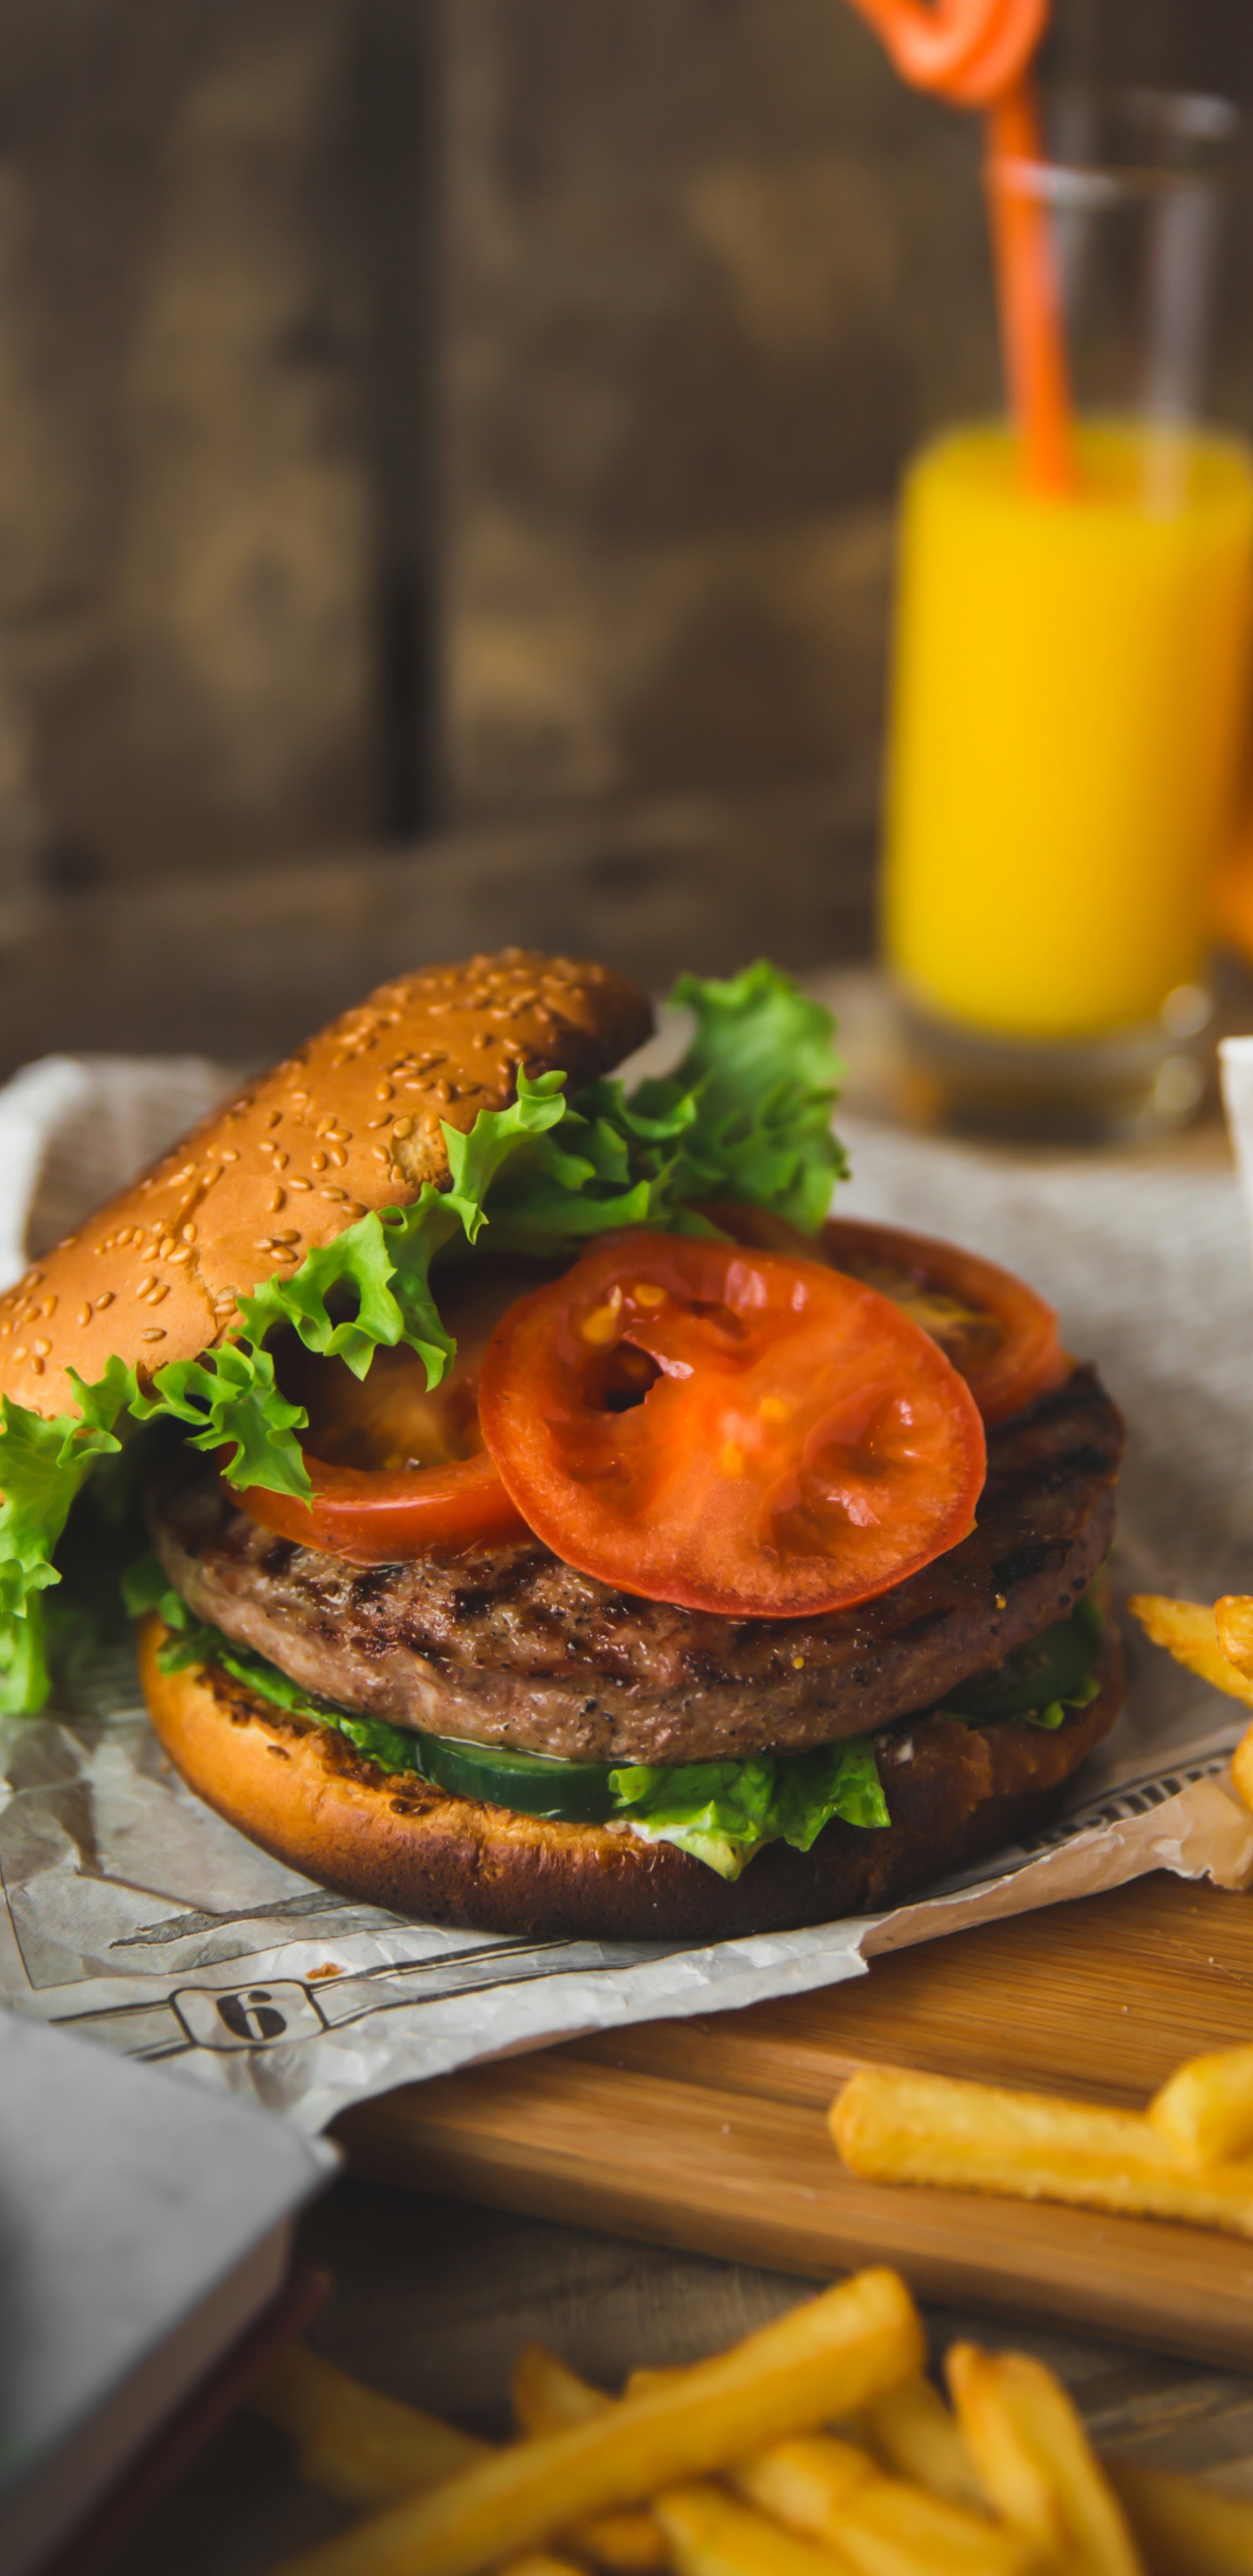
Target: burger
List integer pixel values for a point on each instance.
(540, 1513)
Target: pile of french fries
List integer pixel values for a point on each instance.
(815, 2448)
(1216, 1645)
(1189, 2156)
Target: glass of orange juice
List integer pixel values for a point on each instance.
(1071, 676)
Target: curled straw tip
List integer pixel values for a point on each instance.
(978, 53)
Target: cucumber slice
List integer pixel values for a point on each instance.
(568, 1793)
(1049, 1667)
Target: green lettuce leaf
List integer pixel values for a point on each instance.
(230, 1400)
(722, 1812)
(763, 1072)
(42, 1466)
(746, 1115)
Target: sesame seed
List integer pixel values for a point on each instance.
(36, 1368)
(230, 1153)
(326, 1126)
(156, 1294)
(182, 1253)
(104, 1299)
(49, 1306)
(289, 1235)
(338, 1157)
(276, 1201)
(167, 1246)
(340, 1195)
(404, 1127)
(42, 1348)
(381, 1153)
(273, 1117)
(145, 1284)
(20, 1352)
(353, 1208)
(189, 1234)
(317, 1162)
(298, 1183)
(84, 1314)
(155, 1333)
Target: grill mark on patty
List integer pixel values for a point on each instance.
(511, 1646)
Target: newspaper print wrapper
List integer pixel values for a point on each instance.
(133, 1915)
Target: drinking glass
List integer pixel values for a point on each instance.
(1071, 672)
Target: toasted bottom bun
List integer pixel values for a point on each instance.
(298, 1789)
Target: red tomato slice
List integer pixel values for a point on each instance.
(379, 1519)
(1000, 1336)
(729, 1430)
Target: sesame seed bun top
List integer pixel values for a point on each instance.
(352, 1121)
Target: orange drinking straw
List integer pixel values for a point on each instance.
(978, 54)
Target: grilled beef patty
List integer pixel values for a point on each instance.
(510, 1646)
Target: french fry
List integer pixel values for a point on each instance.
(712, 2535)
(915, 2432)
(365, 2448)
(1233, 1618)
(1205, 2110)
(1188, 1631)
(546, 2393)
(1184, 2528)
(630, 2543)
(353, 2442)
(668, 2377)
(891, 2529)
(835, 2353)
(806, 2482)
(835, 2493)
(1036, 2463)
(893, 2125)
(540, 2562)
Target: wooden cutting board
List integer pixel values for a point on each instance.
(709, 2134)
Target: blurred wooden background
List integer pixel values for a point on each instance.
(447, 453)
